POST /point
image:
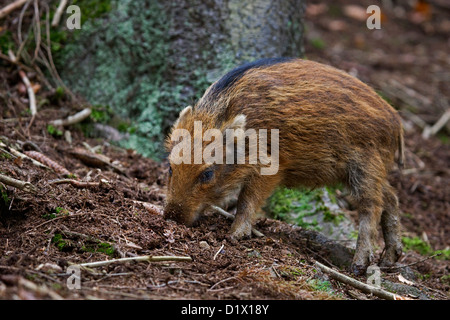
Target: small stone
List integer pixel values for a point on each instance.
(204, 245)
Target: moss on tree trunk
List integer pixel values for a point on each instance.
(148, 59)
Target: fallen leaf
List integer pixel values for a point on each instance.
(337, 25)
(356, 12)
(316, 9)
(36, 87)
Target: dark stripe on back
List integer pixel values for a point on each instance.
(234, 75)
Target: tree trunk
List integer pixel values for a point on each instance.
(149, 59)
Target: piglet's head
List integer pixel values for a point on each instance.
(198, 173)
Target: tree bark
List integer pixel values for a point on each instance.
(148, 59)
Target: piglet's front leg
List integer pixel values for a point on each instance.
(251, 198)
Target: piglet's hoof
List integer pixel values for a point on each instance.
(241, 230)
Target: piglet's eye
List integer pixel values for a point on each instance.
(206, 176)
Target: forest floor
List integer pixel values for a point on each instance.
(61, 224)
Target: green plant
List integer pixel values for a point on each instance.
(5, 196)
(58, 212)
(102, 247)
(6, 41)
(54, 131)
(101, 114)
(60, 242)
(416, 244)
(322, 285)
(294, 205)
(424, 248)
(318, 43)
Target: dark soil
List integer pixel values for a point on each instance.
(42, 233)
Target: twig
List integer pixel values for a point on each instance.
(24, 156)
(432, 130)
(414, 118)
(22, 185)
(228, 215)
(49, 54)
(95, 160)
(78, 117)
(54, 219)
(58, 13)
(9, 154)
(37, 31)
(222, 281)
(218, 251)
(413, 263)
(359, 285)
(140, 258)
(78, 184)
(19, 30)
(27, 83)
(11, 7)
(17, 63)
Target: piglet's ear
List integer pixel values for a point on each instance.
(183, 113)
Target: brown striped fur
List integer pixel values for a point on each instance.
(333, 129)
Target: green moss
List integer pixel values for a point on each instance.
(129, 66)
(61, 243)
(102, 247)
(6, 41)
(101, 114)
(416, 244)
(324, 286)
(91, 9)
(445, 279)
(424, 248)
(445, 138)
(294, 205)
(58, 212)
(317, 43)
(4, 194)
(54, 131)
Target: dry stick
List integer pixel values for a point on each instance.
(230, 216)
(58, 13)
(11, 7)
(140, 258)
(50, 57)
(24, 156)
(413, 263)
(218, 251)
(359, 285)
(78, 184)
(17, 63)
(22, 185)
(432, 130)
(78, 117)
(37, 30)
(19, 30)
(27, 83)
